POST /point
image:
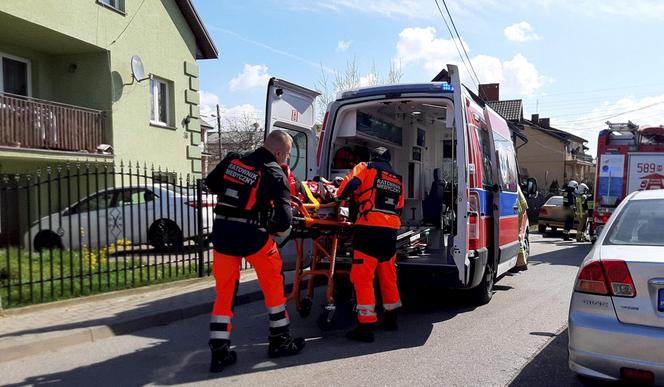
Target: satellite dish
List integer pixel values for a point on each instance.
(137, 69)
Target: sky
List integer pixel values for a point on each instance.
(579, 62)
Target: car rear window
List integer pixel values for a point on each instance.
(641, 222)
(554, 201)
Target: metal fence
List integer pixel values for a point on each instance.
(74, 230)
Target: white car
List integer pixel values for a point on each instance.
(616, 316)
(161, 215)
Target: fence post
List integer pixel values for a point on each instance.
(199, 215)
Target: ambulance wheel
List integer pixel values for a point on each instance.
(326, 320)
(305, 307)
(483, 292)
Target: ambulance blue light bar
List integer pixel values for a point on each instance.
(398, 90)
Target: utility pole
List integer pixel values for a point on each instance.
(219, 130)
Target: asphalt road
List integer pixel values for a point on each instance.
(519, 338)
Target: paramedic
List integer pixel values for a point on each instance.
(377, 191)
(248, 188)
(569, 201)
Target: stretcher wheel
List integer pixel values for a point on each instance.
(305, 307)
(327, 319)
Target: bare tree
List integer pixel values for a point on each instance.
(349, 79)
(239, 133)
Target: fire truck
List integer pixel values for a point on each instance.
(629, 158)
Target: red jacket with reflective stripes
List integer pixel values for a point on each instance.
(378, 191)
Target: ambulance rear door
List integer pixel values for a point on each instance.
(460, 242)
(290, 107)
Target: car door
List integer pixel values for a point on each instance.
(290, 107)
(505, 199)
(134, 213)
(90, 215)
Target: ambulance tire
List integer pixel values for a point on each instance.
(482, 293)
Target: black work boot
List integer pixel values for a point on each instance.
(362, 332)
(284, 345)
(222, 356)
(390, 320)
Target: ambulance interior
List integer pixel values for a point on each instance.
(421, 140)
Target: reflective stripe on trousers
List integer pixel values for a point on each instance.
(362, 277)
(226, 270)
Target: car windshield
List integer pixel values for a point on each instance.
(639, 223)
(554, 201)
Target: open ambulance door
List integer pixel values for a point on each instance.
(290, 107)
(505, 196)
(460, 241)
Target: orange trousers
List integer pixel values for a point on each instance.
(226, 269)
(362, 277)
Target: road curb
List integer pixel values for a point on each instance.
(100, 332)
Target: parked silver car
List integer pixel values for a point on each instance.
(161, 215)
(616, 316)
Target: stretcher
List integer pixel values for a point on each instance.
(327, 226)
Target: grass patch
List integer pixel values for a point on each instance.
(61, 274)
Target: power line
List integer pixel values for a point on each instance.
(455, 43)
(461, 42)
(612, 115)
(128, 24)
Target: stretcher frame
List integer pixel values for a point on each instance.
(325, 233)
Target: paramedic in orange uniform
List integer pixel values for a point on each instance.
(377, 191)
(248, 188)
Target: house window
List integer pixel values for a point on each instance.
(15, 76)
(160, 107)
(118, 5)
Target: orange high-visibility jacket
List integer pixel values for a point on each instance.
(378, 192)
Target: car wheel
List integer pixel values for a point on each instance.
(554, 229)
(166, 236)
(541, 228)
(47, 240)
(482, 293)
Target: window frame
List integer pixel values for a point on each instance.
(117, 5)
(154, 102)
(27, 61)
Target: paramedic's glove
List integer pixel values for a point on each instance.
(283, 234)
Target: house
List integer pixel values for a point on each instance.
(546, 153)
(68, 92)
(554, 155)
(72, 92)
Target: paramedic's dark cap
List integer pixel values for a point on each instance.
(381, 154)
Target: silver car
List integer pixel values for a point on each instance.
(616, 316)
(161, 215)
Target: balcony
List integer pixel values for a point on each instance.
(38, 124)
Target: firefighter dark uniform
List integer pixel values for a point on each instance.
(377, 191)
(569, 202)
(253, 200)
(588, 206)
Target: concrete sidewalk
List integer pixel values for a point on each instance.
(40, 328)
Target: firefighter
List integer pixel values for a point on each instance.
(522, 258)
(253, 202)
(589, 205)
(569, 203)
(377, 192)
(581, 212)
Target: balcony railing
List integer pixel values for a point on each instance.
(33, 123)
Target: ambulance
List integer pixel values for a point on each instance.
(456, 158)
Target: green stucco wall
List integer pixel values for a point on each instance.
(101, 42)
